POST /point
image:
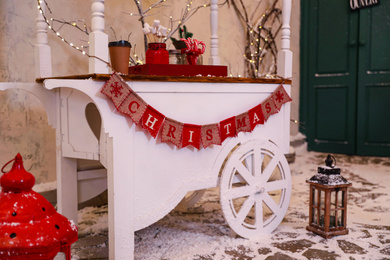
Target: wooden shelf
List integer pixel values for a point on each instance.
(105, 77)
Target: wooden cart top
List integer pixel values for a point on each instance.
(105, 77)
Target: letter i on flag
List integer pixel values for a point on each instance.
(152, 120)
(191, 135)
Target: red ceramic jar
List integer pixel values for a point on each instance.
(157, 54)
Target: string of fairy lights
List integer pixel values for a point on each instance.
(63, 39)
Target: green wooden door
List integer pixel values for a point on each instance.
(344, 77)
(373, 106)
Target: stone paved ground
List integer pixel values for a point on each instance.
(202, 233)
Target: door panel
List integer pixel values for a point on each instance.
(373, 122)
(332, 105)
(332, 76)
(345, 75)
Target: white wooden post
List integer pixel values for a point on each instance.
(214, 58)
(285, 55)
(98, 40)
(42, 49)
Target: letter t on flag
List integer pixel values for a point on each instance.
(152, 121)
(227, 128)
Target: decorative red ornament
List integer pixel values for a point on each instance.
(30, 227)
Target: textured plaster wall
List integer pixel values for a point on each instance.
(23, 121)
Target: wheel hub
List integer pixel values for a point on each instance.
(259, 190)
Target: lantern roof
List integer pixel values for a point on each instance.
(30, 227)
(329, 175)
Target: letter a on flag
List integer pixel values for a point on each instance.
(256, 116)
(152, 121)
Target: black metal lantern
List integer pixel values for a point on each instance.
(328, 201)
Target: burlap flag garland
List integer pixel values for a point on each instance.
(180, 134)
(211, 135)
(133, 106)
(191, 135)
(152, 121)
(116, 89)
(227, 128)
(280, 97)
(268, 108)
(243, 123)
(172, 132)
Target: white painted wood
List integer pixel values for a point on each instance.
(147, 178)
(285, 54)
(98, 40)
(258, 203)
(78, 140)
(90, 184)
(214, 58)
(41, 48)
(119, 167)
(191, 198)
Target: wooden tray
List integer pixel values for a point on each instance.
(179, 70)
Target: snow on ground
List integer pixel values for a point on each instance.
(202, 233)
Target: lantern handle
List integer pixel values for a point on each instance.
(5, 165)
(330, 161)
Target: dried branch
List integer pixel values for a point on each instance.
(260, 34)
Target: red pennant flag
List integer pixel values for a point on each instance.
(242, 123)
(152, 121)
(228, 128)
(134, 106)
(210, 135)
(256, 116)
(280, 97)
(191, 135)
(268, 108)
(172, 132)
(116, 89)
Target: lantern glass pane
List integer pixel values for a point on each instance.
(322, 217)
(333, 200)
(340, 218)
(332, 220)
(314, 216)
(340, 199)
(321, 196)
(315, 197)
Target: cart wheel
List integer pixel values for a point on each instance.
(255, 188)
(191, 198)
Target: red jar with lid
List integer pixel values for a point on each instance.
(157, 54)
